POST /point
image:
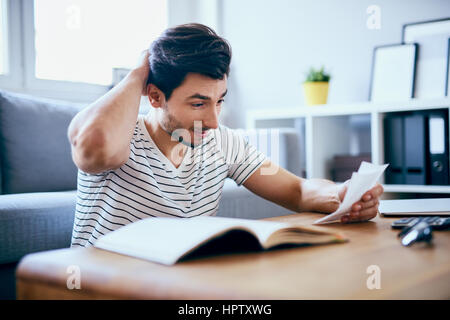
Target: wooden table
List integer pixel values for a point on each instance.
(336, 271)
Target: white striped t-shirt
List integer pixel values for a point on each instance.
(149, 185)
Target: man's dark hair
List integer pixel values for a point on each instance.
(187, 48)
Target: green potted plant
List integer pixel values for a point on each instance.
(315, 86)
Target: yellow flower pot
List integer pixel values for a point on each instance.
(315, 92)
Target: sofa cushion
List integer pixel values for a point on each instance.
(35, 149)
(0, 173)
(34, 222)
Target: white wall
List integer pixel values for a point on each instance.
(275, 41)
(207, 12)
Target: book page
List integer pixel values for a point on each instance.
(360, 182)
(165, 240)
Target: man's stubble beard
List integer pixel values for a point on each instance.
(169, 124)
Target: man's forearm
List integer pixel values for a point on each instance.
(292, 192)
(110, 120)
(318, 195)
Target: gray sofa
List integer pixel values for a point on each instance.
(38, 181)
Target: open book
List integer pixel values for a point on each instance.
(167, 240)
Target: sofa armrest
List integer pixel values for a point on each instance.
(31, 222)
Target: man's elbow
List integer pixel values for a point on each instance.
(88, 152)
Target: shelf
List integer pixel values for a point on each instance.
(345, 109)
(344, 129)
(415, 188)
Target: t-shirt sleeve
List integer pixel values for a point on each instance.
(242, 157)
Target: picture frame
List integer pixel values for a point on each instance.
(431, 36)
(393, 72)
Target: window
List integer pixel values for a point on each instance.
(67, 49)
(3, 38)
(82, 40)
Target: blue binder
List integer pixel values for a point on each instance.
(417, 147)
(393, 142)
(415, 155)
(438, 153)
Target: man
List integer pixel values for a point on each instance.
(174, 163)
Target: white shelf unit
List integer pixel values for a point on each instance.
(340, 129)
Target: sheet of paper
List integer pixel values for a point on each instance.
(360, 182)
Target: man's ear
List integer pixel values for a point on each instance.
(155, 96)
